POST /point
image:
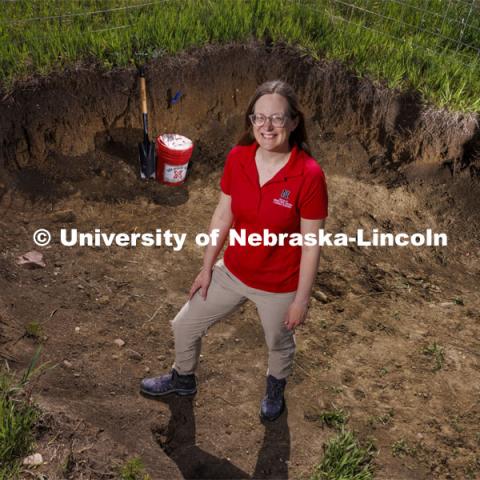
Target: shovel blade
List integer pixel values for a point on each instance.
(146, 151)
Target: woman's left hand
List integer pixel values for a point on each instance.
(296, 315)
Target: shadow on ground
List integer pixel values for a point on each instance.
(178, 441)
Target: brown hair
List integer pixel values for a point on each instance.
(299, 135)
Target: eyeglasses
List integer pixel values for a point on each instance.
(258, 119)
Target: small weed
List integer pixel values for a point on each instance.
(401, 448)
(455, 422)
(382, 371)
(458, 301)
(345, 459)
(68, 464)
(134, 470)
(34, 330)
(436, 351)
(383, 419)
(335, 389)
(332, 419)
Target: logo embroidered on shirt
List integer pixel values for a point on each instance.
(283, 200)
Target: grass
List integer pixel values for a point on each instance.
(335, 418)
(408, 45)
(345, 459)
(401, 448)
(133, 470)
(437, 353)
(18, 416)
(383, 419)
(34, 330)
(382, 371)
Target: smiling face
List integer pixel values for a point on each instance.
(270, 138)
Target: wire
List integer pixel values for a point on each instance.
(477, 50)
(84, 14)
(111, 28)
(434, 51)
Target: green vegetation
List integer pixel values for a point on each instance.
(18, 416)
(383, 419)
(427, 46)
(436, 352)
(134, 470)
(401, 448)
(382, 371)
(331, 418)
(34, 330)
(345, 459)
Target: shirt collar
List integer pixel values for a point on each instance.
(292, 168)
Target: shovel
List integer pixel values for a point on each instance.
(146, 148)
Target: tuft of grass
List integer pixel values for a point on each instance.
(437, 353)
(134, 469)
(345, 459)
(336, 418)
(401, 448)
(382, 371)
(383, 419)
(18, 416)
(34, 330)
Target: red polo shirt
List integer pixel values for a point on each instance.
(297, 191)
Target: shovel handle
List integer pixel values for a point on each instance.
(143, 92)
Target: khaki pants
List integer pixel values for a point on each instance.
(225, 294)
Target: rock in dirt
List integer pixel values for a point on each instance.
(134, 355)
(35, 459)
(67, 364)
(119, 342)
(103, 300)
(32, 259)
(320, 296)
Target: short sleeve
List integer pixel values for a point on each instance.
(314, 196)
(226, 180)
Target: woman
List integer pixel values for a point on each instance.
(269, 182)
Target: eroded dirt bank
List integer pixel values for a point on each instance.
(69, 160)
(70, 114)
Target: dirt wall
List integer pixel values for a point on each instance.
(69, 114)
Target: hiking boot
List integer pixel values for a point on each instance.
(273, 404)
(172, 382)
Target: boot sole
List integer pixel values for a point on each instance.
(181, 393)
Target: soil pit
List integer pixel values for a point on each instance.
(392, 335)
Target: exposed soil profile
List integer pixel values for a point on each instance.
(68, 159)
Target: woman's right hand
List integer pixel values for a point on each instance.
(202, 282)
